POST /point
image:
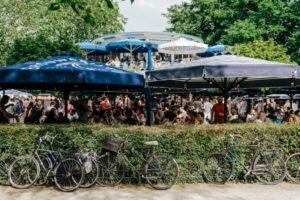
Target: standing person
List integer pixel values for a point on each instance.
(61, 107)
(37, 112)
(20, 109)
(80, 105)
(207, 107)
(260, 106)
(273, 104)
(242, 107)
(197, 104)
(218, 111)
(104, 104)
(4, 115)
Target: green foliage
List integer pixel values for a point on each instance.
(266, 50)
(40, 46)
(21, 19)
(188, 144)
(240, 21)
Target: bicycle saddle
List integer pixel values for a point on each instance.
(151, 143)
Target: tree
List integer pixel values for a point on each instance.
(239, 21)
(40, 46)
(266, 50)
(22, 19)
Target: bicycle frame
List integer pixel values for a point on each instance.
(52, 156)
(231, 154)
(140, 170)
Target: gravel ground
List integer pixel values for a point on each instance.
(284, 191)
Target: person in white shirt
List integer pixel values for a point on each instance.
(207, 106)
(242, 107)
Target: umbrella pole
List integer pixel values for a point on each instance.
(291, 100)
(148, 90)
(3, 92)
(66, 98)
(225, 107)
(225, 100)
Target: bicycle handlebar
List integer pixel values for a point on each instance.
(47, 137)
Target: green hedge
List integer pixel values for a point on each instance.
(188, 144)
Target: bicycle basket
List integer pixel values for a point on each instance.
(111, 144)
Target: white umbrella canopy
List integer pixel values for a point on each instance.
(16, 93)
(182, 46)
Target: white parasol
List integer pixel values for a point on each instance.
(182, 46)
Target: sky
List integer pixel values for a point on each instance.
(146, 15)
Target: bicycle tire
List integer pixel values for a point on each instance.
(24, 172)
(44, 172)
(3, 172)
(158, 172)
(111, 170)
(217, 164)
(293, 168)
(90, 178)
(68, 175)
(261, 163)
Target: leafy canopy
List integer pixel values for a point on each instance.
(266, 50)
(52, 22)
(240, 21)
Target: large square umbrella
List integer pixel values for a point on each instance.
(68, 73)
(226, 72)
(65, 73)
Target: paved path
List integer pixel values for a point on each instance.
(282, 191)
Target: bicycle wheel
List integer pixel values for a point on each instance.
(269, 168)
(111, 170)
(162, 172)
(91, 173)
(293, 167)
(217, 168)
(68, 175)
(46, 166)
(23, 172)
(3, 172)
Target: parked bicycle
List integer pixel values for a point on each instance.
(293, 167)
(266, 164)
(90, 168)
(159, 170)
(4, 165)
(44, 165)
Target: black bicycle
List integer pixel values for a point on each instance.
(159, 170)
(45, 165)
(293, 167)
(266, 164)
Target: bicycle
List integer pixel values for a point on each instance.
(90, 166)
(159, 170)
(293, 167)
(266, 164)
(44, 165)
(4, 165)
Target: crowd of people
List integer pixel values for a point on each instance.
(139, 62)
(131, 110)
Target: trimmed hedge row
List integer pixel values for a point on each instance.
(188, 144)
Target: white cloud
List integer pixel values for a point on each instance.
(146, 15)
